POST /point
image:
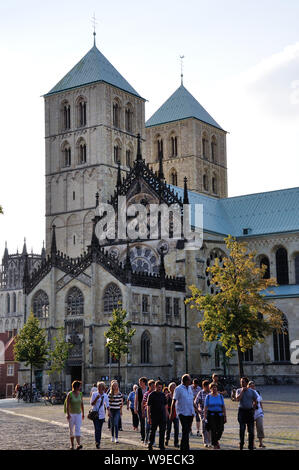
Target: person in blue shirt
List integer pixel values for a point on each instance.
(130, 404)
(215, 414)
(247, 399)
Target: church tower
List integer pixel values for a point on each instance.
(190, 142)
(92, 118)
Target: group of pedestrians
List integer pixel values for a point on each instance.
(154, 407)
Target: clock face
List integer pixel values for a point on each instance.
(143, 259)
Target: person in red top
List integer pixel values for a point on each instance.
(172, 418)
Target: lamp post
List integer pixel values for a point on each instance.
(108, 341)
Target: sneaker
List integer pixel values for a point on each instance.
(116, 440)
(79, 447)
(150, 447)
(97, 445)
(112, 439)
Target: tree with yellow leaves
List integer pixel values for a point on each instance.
(238, 315)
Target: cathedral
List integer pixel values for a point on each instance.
(98, 148)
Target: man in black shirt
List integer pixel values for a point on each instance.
(138, 409)
(157, 410)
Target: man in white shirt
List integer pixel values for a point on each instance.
(183, 401)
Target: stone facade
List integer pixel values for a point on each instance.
(72, 180)
(203, 163)
(74, 286)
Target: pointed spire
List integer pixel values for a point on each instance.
(53, 242)
(186, 197)
(26, 274)
(182, 75)
(24, 252)
(162, 271)
(5, 256)
(94, 22)
(43, 254)
(139, 156)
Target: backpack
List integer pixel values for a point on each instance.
(65, 401)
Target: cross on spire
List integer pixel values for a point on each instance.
(94, 23)
(182, 75)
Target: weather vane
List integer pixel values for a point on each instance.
(94, 23)
(182, 57)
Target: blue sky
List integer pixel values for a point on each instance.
(241, 63)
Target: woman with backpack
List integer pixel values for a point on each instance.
(99, 401)
(75, 413)
(215, 414)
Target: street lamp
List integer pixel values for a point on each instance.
(108, 340)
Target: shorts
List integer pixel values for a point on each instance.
(260, 427)
(75, 423)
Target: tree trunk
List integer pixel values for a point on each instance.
(30, 383)
(240, 359)
(119, 371)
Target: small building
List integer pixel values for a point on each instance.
(8, 366)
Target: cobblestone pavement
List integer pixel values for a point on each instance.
(44, 427)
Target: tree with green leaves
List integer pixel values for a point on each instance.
(31, 346)
(238, 315)
(119, 335)
(59, 354)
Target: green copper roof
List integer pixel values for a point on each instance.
(261, 213)
(180, 105)
(93, 67)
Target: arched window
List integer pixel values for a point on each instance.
(205, 183)
(66, 116)
(14, 302)
(110, 358)
(129, 118)
(282, 271)
(173, 177)
(116, 153)
(82, 151)
(112, 298)
(213, 149)
(8, 303)
(281, 343)
(66, 154)
(40, 304)
(75, 302)
(160, 148)
(265, 261)
(297, 269)
(129, 158)
(174, 146)
(82, 113)
(116, 115)
(214, 185)
(205, 143)
(247, 355)
(217, 356)
(145, 347)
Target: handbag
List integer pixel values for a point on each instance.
(92, 415)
